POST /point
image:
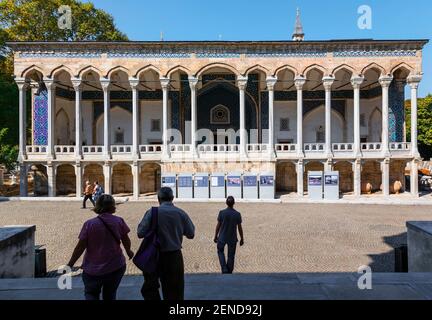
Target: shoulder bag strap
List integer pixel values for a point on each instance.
(110, 230)
(155, 218)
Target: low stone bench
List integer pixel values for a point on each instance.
(17, 251)
(419, 246)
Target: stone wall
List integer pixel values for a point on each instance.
(346, 176)
(286, 177)
(122, 179)
(65, 180)
(371, 173)
(195, 167)
(397, 173)
(150, 178)
(93, 172)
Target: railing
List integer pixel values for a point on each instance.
(150, 148)
(371, 146)
(286, 147)
(180, 148)
(64, 149)
(92, 149)
(223, 148)
(342, 147)
(121, 149)
(314, 147)
(257, 147)
(36, 149)
(400, 146)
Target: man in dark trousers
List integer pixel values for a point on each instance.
(173, 224)
(229, 220)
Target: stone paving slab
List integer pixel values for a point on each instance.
(240, 287)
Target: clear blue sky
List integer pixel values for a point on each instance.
(273, 20)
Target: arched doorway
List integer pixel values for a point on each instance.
(122, 179)
(397, 173)
(346, 176)
(314, 126)
(40, 180)
(93, 172)
(375, 125)
(150, 178)
(65, 180)
(62, 128)
(371, 173)
(286, 177)
(311, 166)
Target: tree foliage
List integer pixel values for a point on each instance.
(37, 20)
(8, 153)
(424, 125)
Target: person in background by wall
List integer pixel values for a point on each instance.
(88, 194)
(104, 263)
(97, 191)
(229, 220)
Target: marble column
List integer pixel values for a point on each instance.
(385, 82)
(136, 184)
(134, 82)
(23, 180)
(357, 167)
(22, 88)
(78, 179)
(50, 85)
(242, 83)
(193, 81)
(107, 171)
(300, 173)
(356, 83)
(165, 82)
(385, 170)
(414, 180)
(327, 83)
(271, 82)
(105, 83)
(414, 82)
(76, 82)
(51, 175)
(299, 82)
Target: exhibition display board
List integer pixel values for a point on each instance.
(169, 180)
(217, 186)
(315, 185)
(234, 185)
(250, 186)
(185, 186)
(201, 186)
(266, 185)
(331, 185)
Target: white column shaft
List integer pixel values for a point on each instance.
(135, 123)
(385, 118)
(51, 116)
(242, 123)
(78, 121)
(22, 121)
(107, 123)
(414, 130)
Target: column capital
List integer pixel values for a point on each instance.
(271, 82)
(164, 82)
(385, 81)
(76, 83)
(299, 82)
(356, 81)
(193, 81)
(134, 82)
(414, 80)
(105, 82)
(49, 83)
(242, 82)
(21, 83)
(328, 82)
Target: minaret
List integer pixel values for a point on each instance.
(298, 29)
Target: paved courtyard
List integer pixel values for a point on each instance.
(279, 238)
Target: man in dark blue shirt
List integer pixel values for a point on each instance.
(229, 220)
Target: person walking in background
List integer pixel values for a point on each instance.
(104, 263)
(173, 224)
(229, 220)
(97, 191)
(88, 194)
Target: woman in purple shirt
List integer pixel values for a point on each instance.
(104, 263)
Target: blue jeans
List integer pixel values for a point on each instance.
(227, 266)
(107, 283)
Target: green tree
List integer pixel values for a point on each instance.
(424, 120)
(8, 153)
(37, 20)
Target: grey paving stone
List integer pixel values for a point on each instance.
(378, 292)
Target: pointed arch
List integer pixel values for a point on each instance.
(257, 67)
(178, 68)
(217, 65)
(286, 67)
(31, 69)
(374, 125)
(346, 67)
(116, 69)
(146, 68)
(87, 69)
(401, 66)
(56, 71)
(373, 65)
(317, 67)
